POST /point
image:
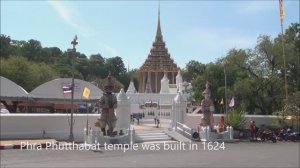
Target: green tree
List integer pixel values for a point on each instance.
(96, 67)
(5, 47)
(116, 66)
(31, 50)
(292, 106)
(82, 66)
(291, 43)
(50, 55)
(25, 73)
(192, 70)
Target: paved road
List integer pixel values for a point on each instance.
(241, 154)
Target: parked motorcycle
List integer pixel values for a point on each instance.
(265, 134)
(288, 135)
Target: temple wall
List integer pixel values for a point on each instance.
(56, 126)
(192, 120)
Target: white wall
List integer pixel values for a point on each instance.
(56, 126)
(192, 120)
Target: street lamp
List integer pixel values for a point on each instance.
(74, 43)
(224, 64)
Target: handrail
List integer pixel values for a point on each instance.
(186, 131)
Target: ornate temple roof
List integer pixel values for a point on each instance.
(159, 59)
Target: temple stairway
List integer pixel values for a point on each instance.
(152, 136)
(147, 131)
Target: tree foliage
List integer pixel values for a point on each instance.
(255, 77)
(30, 64)
(25, 73)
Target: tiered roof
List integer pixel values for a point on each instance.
(159, 59)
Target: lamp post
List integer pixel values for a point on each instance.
(224, 64)
(74, 43)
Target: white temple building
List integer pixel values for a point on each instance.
(157, 104)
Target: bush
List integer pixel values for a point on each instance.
(236, 119)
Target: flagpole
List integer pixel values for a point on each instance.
(71, 136)
(281, 10)
(224, 63)
(284, 62)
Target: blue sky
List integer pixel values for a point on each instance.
(193, 30)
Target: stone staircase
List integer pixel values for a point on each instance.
(148, 136)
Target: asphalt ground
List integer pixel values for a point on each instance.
(239, 154)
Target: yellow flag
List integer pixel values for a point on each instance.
(86, 92)
(222, 102)
(281, 10)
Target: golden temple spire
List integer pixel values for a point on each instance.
(158, 32)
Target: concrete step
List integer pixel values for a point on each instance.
(138, 140)
(152, 136)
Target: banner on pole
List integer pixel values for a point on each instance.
(86, 92)
(222, 102)
(281, 10)
(231, 104)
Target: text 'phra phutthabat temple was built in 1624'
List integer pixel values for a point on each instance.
(157, 64)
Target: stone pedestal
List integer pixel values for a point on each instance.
(126, 138)
(122, 132)
(207, 135)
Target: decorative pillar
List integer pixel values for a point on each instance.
(230, 132)
(143, 82)
(156, 90)
(123, 111)
(173, 77)
(208, 133)
(140, 82)
(178, 110)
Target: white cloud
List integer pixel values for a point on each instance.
(72, 17)
(62, 10)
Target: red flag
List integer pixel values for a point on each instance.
(281, 10)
